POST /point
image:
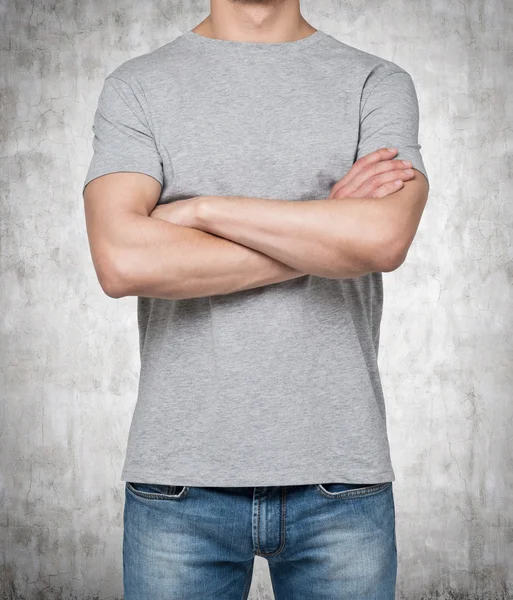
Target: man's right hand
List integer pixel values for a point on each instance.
(375, 175)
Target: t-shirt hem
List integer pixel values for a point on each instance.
(268, 479)
(122, 168)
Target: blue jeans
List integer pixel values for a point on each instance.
(332, 541)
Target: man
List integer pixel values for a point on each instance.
(241, 187)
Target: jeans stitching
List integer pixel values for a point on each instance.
(283, 522)
(257, 524)
(367, 491)
(154, 496)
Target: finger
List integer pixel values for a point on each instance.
(365, 190)
(378, 174)
(379, 180)
(387, 189)
(383, 154)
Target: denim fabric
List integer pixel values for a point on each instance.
(332, 541)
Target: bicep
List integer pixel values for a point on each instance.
(389, 118)
(109, 200)
(125, 175)
(404, 210)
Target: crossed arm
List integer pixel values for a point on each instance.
(236, 243)
(327, 238)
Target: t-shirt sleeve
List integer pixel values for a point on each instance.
(389, 118)
(123, 140)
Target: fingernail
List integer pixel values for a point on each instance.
(391, 149)
(407, 163)
(408, 171)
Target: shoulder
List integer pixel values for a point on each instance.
(367, 67)
(140, 71)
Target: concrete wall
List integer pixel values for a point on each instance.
(69, 357)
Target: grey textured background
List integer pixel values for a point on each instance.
(69, 355)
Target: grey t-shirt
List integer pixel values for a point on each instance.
(277, 385)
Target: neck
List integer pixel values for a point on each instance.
(268, 21)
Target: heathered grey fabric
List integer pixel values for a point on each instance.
(278, 385)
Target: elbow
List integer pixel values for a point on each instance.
(110, 278)
(372, 257)
(389, 256)
(112, 288)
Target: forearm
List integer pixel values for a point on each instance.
(328, 238)
(158, 259)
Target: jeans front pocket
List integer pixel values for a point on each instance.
(157, 491)
(350, 490)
